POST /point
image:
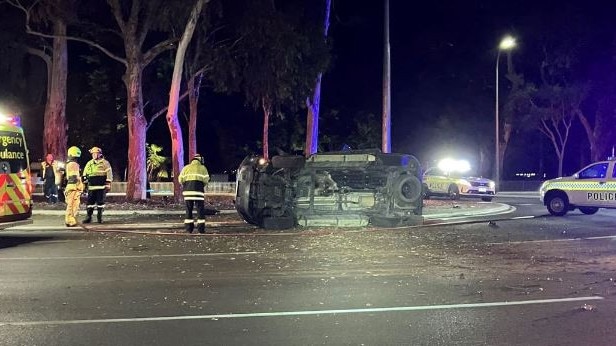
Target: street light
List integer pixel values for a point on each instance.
(506, 43)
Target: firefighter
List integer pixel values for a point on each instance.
(97, 176)
(194, 178)
(74, 187)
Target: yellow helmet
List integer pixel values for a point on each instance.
(96, 150)
(74, 152)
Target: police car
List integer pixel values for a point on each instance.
(448, 179)
(593, 187)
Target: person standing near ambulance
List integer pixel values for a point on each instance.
(194, 178)
(52, 178)
(74, 187)
(98, 177)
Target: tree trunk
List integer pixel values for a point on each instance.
(561, 156)
(194, 85)
(267, 112)
(136, 184)
(313, 104)
(312, 120)
(177, 141)
(54, 135)
(590, 134)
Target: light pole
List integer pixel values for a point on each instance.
(506, 43)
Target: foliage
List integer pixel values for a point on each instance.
(279, 53)
(156, 164)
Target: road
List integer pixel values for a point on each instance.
(530, 280)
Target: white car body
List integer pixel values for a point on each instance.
(593, 187)
(439, 183)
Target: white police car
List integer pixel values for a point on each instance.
(448, 180)
(591, 188)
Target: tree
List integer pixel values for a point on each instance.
(55, 14)
(156, 163)
(281, 53)
(177, 143)
(313, 102)
(555, 108)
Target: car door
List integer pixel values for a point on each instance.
(436, 180)
(589, 187)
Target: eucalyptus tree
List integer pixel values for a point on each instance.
(314, 101)
(280, 54)
(48, 21)
(177, 142)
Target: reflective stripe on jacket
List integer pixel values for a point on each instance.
(98, 174)
(194, 177)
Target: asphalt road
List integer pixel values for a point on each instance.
(531, 279)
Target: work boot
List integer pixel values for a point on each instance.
(189, 227)
(99, 215)
(88, 218)
(201, 226)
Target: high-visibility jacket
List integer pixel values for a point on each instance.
(73, 177)
(54, 168)
(98, 174)
(194, 178)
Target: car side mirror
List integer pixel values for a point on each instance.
(576, 176)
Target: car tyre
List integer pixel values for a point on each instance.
(486, 199)
(407, 189)
(558, 204)
(589, 210)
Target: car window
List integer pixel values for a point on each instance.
(434, 172)
(614, 172)
(593, 172)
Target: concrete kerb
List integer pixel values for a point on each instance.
(486, 209)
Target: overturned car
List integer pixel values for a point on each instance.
(339, 189)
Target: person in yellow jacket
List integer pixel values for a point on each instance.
(194, 178)
(52, 178)
(98, 177)
(74, 187)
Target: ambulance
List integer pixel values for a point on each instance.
(593, 187)
(15, 183)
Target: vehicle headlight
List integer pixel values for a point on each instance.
(491, 184)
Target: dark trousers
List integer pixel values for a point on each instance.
(51, 191)
(188, 221)
(96, 200)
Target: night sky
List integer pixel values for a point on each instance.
(443, 56)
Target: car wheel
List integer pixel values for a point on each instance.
(454, 192)
(558, 204)
(407, 189)
(486, 199)
(589, 210)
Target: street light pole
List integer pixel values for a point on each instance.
(496, 141)
(506, 44)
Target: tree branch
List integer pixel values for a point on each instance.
(163, 111)
(117, 14)
(153, 52)
(29, 30)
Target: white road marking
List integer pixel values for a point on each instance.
(300, 313)
(126, 256)
(523, 217)
(555, 240)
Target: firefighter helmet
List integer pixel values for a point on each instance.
(198, 157)
(96, 150)
(74, 152)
